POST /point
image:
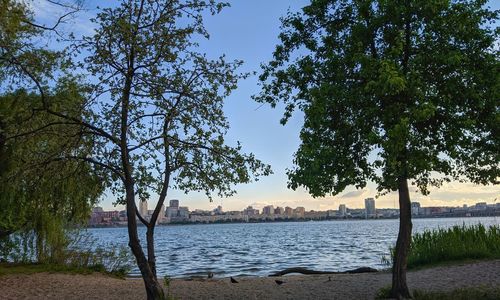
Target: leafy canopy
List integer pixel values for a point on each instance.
(158, 101)
(390, 90)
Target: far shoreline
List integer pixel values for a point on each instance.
(292, 221)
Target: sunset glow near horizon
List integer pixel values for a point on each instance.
(248, 30)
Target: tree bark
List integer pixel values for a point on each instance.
(399, 285)
(151, 248)
(154, 290)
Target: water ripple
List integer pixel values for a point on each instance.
(257, 249)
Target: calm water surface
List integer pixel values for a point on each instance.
(258, 249)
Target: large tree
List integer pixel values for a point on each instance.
(39, 193)
(157, 120)
(392, 92)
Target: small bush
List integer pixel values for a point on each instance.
(454, 244)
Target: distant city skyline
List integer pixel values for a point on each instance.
(236, 33)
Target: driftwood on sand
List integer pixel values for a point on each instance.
(306, 271)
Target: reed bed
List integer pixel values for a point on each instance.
(457, 243)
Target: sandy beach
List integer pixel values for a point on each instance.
(342, 286)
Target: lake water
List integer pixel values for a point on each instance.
(258, 249)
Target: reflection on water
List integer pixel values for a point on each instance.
(258, 249)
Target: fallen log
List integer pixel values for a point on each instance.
(306, 271)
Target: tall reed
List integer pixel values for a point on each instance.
(453, 244)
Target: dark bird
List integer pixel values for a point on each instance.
(279, 282)
(210, 275)
(329, 278)
(233, 280)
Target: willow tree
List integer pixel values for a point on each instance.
(41, 194)
(392, 92)
(158, 120)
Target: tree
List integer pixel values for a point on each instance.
(392, 91)
(157, 120)
(41, 195)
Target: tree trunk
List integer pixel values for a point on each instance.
(399, 285)
(154, 290)
(151, 248)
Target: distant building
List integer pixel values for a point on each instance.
(268, 210)
(218, 210)
(342, 210)
(288, 211)
(174, 203)
(370, 208)
(481, 205)
(143, 208)
(250, 211)
(171, 212)
(300, 212)
(415, 208)
(100, 217)
(183, 212)
(279, 211)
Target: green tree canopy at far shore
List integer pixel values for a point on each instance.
(392, 91)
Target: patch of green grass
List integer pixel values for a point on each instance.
(383, 293)
(458, 294)
(456, 244)
(21, 268)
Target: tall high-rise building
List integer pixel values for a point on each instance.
(174, 203)
(300, 211)
(268, 210)
(342, 210)
(279, 210)
(288, 211)
(370, 208)
(143, 208)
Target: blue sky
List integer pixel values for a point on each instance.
(248, 30)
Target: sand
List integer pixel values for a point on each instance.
(343, 286)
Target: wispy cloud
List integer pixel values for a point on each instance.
(354, 194)
(48, 14)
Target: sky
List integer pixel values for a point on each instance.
(248, 30)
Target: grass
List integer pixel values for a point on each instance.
(25, 268)
(458, 243)
(458, 294)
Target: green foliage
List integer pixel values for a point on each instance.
(389, 91)
(40, 191)
(22, 54)
(172, 105)
(78, 253)
(383, 293)
(453, 244)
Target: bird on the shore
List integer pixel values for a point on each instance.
(210, 275)
(233, 280)
(329, 278)
(279, 282)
